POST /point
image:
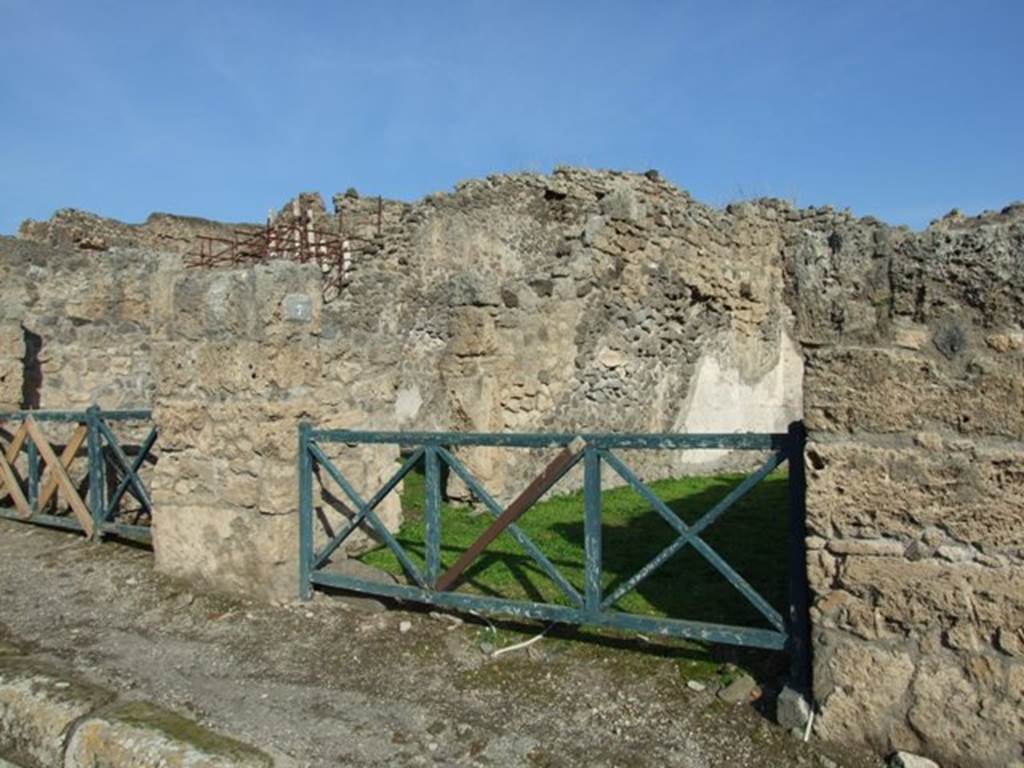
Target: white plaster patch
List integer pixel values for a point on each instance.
(721, 401)
(408, 403)
(217, 296)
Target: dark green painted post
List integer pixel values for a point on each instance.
(33, 476)
(96, 482)
(798, 621)
(305, 513)
(592, 530)
(433, 512)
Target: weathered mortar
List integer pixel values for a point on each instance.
(229, 361)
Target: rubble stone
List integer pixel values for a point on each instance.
(141, 735)
(38, 707)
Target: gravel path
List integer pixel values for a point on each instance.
(334, 683)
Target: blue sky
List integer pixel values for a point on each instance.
(900, 110)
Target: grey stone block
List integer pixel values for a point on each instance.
(38, 706)
(792, 709)
(141, 735)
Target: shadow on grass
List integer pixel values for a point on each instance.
(751, 536)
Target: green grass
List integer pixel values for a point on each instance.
(751, 537)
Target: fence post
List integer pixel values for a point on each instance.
(33, 477)
(797, 615)
(305, 513)
(592, 530)
(433, 513)
(96, 482)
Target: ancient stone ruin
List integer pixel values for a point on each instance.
(594, 301)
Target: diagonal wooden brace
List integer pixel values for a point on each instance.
(78, 507)
(541, 484)
(13, 449)
(11, 481)
(66, 457)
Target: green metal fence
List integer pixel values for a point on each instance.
(597, 452)
(35, 472)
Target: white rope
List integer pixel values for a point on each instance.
(524, 644)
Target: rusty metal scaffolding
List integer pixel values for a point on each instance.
(293, 239)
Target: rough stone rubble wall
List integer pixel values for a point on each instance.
(229, 361)
(12, 354)
(69, 228)
(239, 361)
(580, 301)
(577, 301)
(914, 396)
(614, 301)
(89, 316)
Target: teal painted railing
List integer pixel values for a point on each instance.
(111, 474)
(788, 626)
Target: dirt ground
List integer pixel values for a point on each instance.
(335, 682)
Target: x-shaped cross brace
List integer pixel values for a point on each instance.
(690, 534)
(366, 512)
(30, 430)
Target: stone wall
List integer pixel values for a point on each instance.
(577, 301)
(601, 301)
(239, 361)
(915, 511)
(580, 301)
(229, 361)
(69, 228)
(76, 325)
(12, 357)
